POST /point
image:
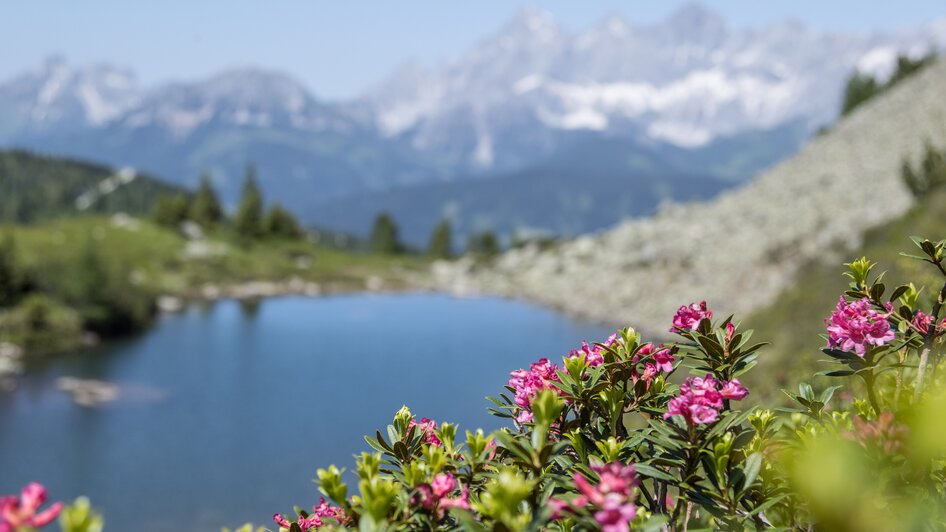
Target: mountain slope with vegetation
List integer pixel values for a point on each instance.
(788, 322)
(38, 187)
(840, 185)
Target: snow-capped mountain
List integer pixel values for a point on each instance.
(509, 106)
(686, 80)
(58, 96)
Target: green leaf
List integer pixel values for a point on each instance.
(751, 469)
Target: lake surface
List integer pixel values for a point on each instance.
(226, 411)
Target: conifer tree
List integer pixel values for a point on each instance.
(205, 209)
(10, 279)
(859, 89)
(281, 223)
(170, 211)
(248, 218)
(484, 244)
(441, 240)
(384, 237)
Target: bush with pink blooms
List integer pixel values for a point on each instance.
(631, 434)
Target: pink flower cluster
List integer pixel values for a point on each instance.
(594, 355)
(855, 326)
(22, 512)
(662, 360)
(922, 322)
(701, 399)
(613, 495)
(688, 318)
(528, 384)
(434, 496)
(428, 428)
(314, 520)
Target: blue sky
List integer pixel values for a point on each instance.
(340, 48)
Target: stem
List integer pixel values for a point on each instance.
(896, 394)
(686, 518)
(928, 341)
(871, 396)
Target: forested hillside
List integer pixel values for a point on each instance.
(36, 187)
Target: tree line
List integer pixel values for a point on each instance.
(862, 87)
(249, 221)
(384, 239)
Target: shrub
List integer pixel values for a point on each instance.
(613, 436)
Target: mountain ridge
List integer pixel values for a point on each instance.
(741, 249)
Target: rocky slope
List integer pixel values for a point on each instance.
(740, 250)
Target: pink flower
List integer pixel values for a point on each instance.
(305, 523)
(22, 512)
(730, 331)
(462, 502)
(650, 371)
(664, 360)
(593, 355)
(922, 322)
(428, 428)
(613, 495)
(855, 326)
(615, 516)
(324, 509)
(701, 399)
(688, 318)
(443, 484)
(733, 390)
(527, 384)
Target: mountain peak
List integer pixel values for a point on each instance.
(532, 22)
(696, 21)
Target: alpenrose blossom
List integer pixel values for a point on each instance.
(314, 520)
(528, 384)
(594, 355)
(701, 399)
(656, 359)
(434, 496)
(428, 428)
(613, 495)
(23, 512)
(854, 326)
(922, 321)
(688, 318)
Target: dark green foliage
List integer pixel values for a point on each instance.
(248, 220)
(205, 209)
(384, 237)
(171, 211)
(41, 324)
(484, 244)
(930, 175)
(862, 87)
(280, 223)
(859, 89)
(36, 187)
(441, 240)
(106, 301)
(10, 278)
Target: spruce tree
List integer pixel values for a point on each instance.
(10, 279)
(170, 211)
(280, 223)
(441, 240)
(205, 209)
(384, 237)
(248, 218)
(484, 244)
(859, 89)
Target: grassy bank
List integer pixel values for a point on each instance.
(104, 274)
